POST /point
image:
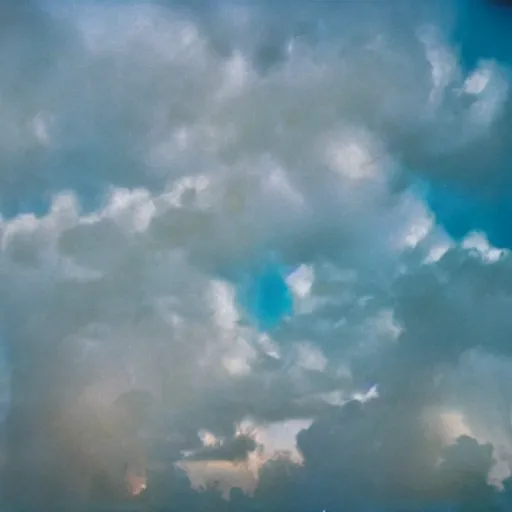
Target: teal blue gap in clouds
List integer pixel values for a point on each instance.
(265, 296)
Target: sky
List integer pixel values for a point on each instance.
(256, 255)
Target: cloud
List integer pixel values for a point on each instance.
(219, 211)
(235, 450)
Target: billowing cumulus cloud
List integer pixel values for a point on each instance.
(255, 255)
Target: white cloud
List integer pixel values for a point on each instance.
(310, 357)
(478, 243)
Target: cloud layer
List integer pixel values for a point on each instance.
(265, 241)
